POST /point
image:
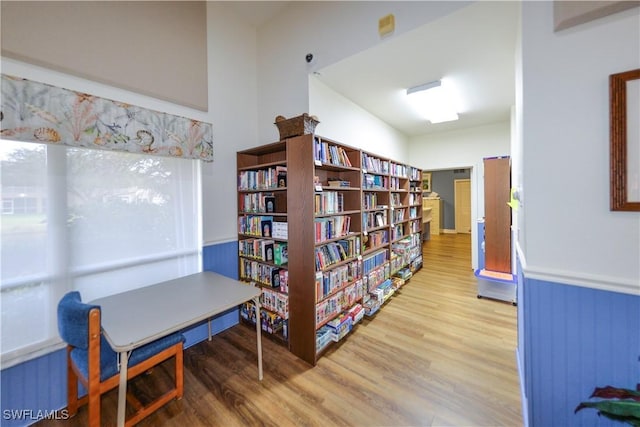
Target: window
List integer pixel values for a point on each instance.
(100, 222)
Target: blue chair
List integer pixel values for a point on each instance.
(92, 361)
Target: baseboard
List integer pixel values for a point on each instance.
(448, 231)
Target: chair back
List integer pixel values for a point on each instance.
(73, 320)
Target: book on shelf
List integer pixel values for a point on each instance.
(281, 174)
(280, 230)
(338, 183)
(281, 254)
(266, 228)
(270, 204)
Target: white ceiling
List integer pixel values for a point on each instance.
(473, 47)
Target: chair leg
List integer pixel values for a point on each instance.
(179, 372)
(72, 386)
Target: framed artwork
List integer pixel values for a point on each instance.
(426, 181)
(624, 124)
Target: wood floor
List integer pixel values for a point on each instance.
(435, 355)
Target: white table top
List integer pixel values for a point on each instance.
(137, 317)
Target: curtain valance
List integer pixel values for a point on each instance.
(38, 112)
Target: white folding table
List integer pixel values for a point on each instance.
(137, 317)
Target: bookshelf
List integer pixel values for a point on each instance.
(350, 217)
(262, 234)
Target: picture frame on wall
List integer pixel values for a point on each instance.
(426, 182)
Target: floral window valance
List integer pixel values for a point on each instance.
(37, 112)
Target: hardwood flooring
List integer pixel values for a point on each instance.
(435, 355)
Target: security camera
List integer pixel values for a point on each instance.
(309, 58)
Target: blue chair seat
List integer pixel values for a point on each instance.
(109, 358)
(88, 350)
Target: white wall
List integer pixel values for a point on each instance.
(571, 235)
(464, 149)
(233, 110)
(331, 31)
(346, 122)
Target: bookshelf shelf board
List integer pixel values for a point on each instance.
(261, 237)
(335, 239)
(377, 209)
(338, 264)
(334, 188)
(335, 291)
(261, 261)
(258, 190)
(241, 213)
(330, 318)
(372, 229)
(374, 249)
(265, 165)
(325, 215)
(404, 236)
(335, 168)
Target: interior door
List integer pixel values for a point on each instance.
(462, 189)
(497, 214)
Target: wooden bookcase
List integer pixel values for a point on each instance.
(337, 203)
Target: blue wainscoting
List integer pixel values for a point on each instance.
(37, 388)
(575, 339)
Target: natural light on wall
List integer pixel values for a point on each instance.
(435, 101)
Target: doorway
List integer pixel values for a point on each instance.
(462, 205)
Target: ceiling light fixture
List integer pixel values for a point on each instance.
(433, 101)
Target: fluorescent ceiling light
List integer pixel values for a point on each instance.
(433, 101)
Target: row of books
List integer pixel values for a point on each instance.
(415, 199)
(339, 327)
(256, 271)
(376, 276)
(257, 203)
(396, 200)
(415, 174)
(369, 200)
(374, 219)
(328, 202)
(374, 164)
(335, 252)
(372, 261)
(398, 231)
(398, 261)
(396, 183)
(375, 182)
(255, 225)
(263, 179)
(339, 302)
(376, 238)
(399, 170)
(399, 215)
(260, 249)
(275, 301)
(329, 153)
(328, 282)
(270, 322)
(331, 227)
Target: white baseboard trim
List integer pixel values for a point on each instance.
(593, 281)
(584, 280)
(219, 242)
